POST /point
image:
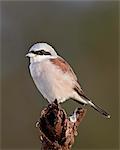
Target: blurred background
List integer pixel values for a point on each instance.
(85, 33)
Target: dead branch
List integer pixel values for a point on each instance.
(56, 130)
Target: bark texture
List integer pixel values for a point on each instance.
(57, 131)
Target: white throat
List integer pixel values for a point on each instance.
(39, 58)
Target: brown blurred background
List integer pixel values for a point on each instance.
(85, 33)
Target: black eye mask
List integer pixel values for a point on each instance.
(41, 52)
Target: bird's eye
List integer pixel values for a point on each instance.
(45, 53)
(41, 52)
(33, 52)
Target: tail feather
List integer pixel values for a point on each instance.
(84, 100)
(100, 110)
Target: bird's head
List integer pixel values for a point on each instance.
(41, 51)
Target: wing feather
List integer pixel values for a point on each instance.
(65, 67)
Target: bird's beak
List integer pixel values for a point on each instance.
(30, 54)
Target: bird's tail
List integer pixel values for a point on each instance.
(84, 100)
(100, 110)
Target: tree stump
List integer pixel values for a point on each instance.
(56, 130)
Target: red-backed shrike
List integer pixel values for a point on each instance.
(54, 77)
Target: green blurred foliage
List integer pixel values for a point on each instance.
(85, 33)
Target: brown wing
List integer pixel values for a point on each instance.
(65, 67)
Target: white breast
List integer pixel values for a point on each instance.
(51, 81)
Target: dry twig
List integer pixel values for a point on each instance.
(56, 130)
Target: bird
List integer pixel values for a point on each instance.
(54, 77)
